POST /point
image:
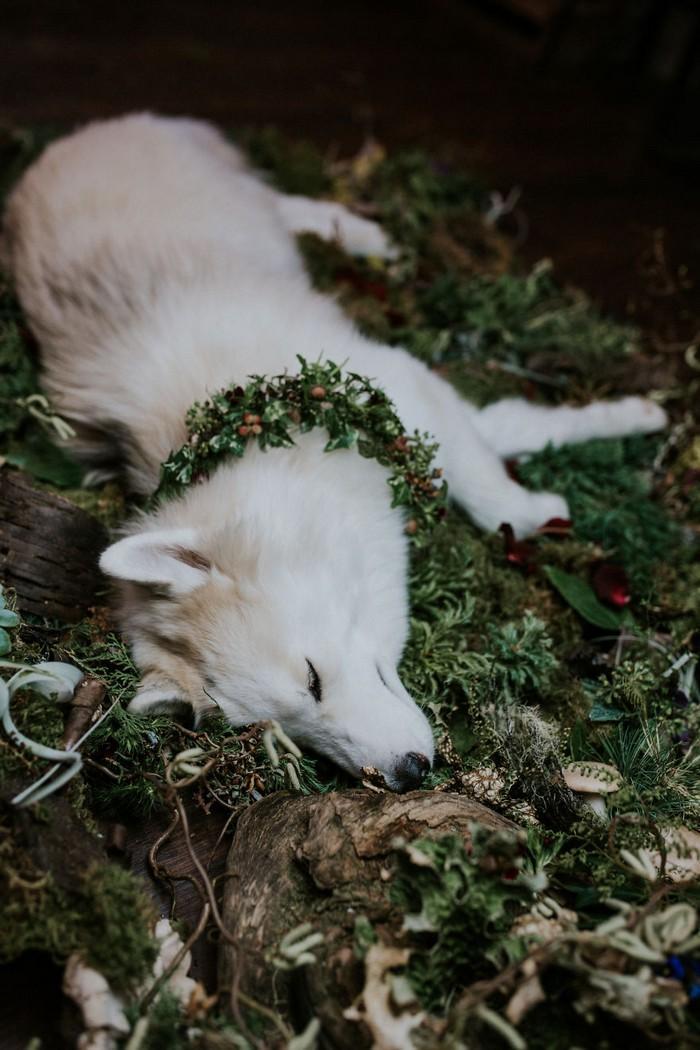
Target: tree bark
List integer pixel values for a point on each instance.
(324, 859)
(48, 550)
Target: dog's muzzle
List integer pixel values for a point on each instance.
(410, 771)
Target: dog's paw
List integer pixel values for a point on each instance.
(639, 415)
(536, 509)
(362, 236)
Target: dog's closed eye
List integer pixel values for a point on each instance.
(314, 683)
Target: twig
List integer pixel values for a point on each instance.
(206, 888)
(103, 769)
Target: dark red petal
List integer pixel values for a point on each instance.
(511, 466)
(362, 284)
(611, 584)
(556, 527)
(518, 552)
(691, 477)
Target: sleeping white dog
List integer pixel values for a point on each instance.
(154, 268)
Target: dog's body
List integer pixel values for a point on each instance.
(154, 268)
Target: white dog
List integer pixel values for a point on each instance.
(155, 268)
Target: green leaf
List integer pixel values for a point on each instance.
(581, 597)
(45, 461)
(5, 643)
(8, 618)
(602, 713)
(276, 410)
(345, 439)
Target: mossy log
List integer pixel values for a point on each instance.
(48, 550)
(324, 859)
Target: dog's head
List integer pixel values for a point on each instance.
(219, 618)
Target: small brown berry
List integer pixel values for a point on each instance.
(243, 430)
(411, 527)
(319, 392)
(251, 418)
(256, 429)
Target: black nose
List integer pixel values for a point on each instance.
(410, 770)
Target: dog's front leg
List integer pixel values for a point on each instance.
(477, 477)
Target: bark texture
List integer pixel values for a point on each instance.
(48, 550)
(324, 859)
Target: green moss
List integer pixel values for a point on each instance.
(166, 1025)
(37, 717)
(412, 191)
(294, 166)
(107, 503)
(104, 914)
(522, 661)
(167, 1029)
(18, 370)
(18, 148)
(114, 925)
(608, 487)
(456, 904)
(509, 317)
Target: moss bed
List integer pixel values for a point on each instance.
(525, 656)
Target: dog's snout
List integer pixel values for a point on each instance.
(410, 770)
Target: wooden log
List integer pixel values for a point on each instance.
(48, 550)
(323, 859)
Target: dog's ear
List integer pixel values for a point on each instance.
(168, 558)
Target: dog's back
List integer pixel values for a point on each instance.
(129, 242)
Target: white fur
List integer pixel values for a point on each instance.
(154, 268)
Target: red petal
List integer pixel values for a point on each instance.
(511, 466)
(611, 584)
(690, 479)
(362, 284)
(555, 527)
(518, 552)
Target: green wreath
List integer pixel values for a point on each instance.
(349, 406)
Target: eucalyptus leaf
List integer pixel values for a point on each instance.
(8, 618)
(5, 643)
(582, 598)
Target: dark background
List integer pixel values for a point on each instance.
(592, 107)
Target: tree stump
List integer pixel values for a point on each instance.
(324, 859)
(49, 550)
